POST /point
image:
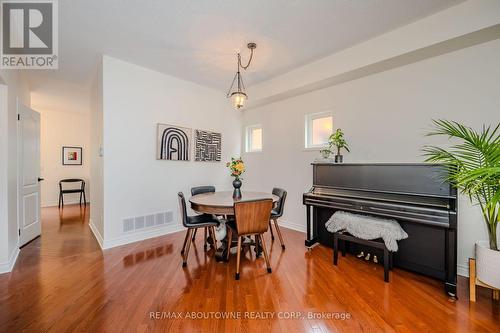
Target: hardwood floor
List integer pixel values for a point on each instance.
(62, 282)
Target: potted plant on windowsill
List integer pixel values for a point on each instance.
(325, 153)
(473, 166)
(338, 141)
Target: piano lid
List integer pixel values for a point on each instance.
(326, 194)
(409, 179)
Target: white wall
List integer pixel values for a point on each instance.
(17, 90)
(60, 129)
(384, 117)
(135, 99)
(96, 160)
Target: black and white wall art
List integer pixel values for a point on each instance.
(173, 143)
(208, 146)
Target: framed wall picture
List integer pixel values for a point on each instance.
(207, 146)
(72, 155)
(173, 142)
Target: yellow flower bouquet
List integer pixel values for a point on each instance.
(236, 166)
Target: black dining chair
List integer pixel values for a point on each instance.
(277, 212)
(200, 190)
(80, 190)
(192, 223)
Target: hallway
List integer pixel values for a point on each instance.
(62, 282)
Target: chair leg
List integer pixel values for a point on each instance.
(60, 194)
(188, 245)
(62, 200)
(257, 246)
(271, 229)
(185, 241)
(229, 241)
(279, 233)
(194, 233)
(205, 239)
(214, 240)
(237, 275)
(264, 249)
(84, 199)
(81, 198)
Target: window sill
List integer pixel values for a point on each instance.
(314, 148)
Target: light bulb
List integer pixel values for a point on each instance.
(239, 99)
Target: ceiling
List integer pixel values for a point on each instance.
(197, 40)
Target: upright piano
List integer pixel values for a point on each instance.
(416, 195)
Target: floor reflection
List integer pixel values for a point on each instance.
(149, 254)
(72, 214)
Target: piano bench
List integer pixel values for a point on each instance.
(346, 237)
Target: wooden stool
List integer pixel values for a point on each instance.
(473, 282)
(349, 238)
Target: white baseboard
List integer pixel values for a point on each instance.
(293, 226)
(140, 236)
(56, 203)
(7, 266)
(463, 270)
(96, 233)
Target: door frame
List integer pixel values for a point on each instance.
(4, 155)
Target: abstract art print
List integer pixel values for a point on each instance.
(207, 146)
(72, 155)
(172, 143)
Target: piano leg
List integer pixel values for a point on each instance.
(450, 285)
(335, 248)
(311, 240)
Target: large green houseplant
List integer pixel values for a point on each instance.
(473, 166)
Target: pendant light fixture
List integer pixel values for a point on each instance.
(237, 91)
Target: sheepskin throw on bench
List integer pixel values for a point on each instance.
(368, 227)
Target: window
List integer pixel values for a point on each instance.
(254, 138)
(318, 128)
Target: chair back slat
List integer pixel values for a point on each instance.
(183, 209)
(72, 180)
(280, 205)
(252, 217)
(202, 189)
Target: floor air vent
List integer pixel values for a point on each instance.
(128, 225)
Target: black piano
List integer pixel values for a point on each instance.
(413, 194)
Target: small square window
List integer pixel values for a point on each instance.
(254, 138)
(318, 128)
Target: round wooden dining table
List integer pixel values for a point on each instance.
(222, 203)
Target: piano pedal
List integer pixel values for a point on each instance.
(368, 256)
(361, 254)
(375, 259)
